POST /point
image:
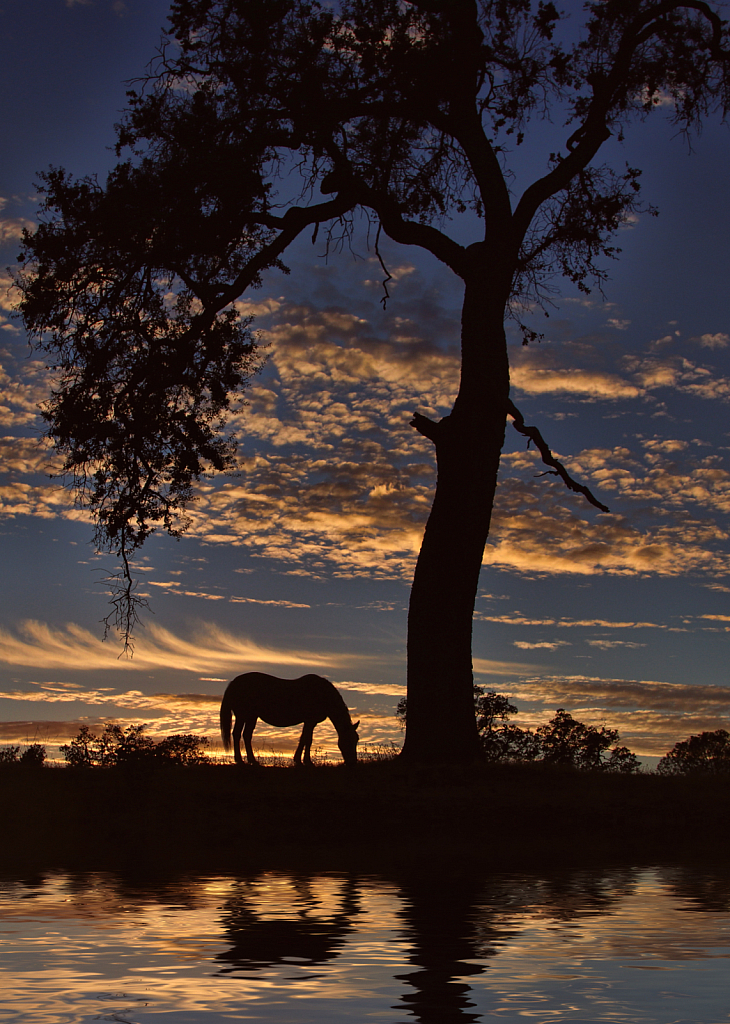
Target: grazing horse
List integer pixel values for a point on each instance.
(284, 702)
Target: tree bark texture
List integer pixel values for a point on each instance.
(440, 720)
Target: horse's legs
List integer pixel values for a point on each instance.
(237, 728)
(247, 734)
(305, 744)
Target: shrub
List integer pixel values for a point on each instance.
(183, 749)
(33, 756)
(118, 746)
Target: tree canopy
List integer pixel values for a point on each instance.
(264, 119)
(707, 752)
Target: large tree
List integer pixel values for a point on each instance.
(264, 119)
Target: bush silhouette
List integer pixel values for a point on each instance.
(125, 747)
(33, 756)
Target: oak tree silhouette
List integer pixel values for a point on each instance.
(264, 119)
(707, 752)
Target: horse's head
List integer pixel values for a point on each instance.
(347, 741)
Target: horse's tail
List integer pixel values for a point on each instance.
(226, 719)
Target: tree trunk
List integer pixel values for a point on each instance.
(440, 722)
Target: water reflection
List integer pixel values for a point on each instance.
(629, 944)
(275, 920)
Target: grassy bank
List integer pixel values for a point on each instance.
(377, 816)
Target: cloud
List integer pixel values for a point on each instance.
(20, 395)
(533, 380)
(520, 620)
(487, 667)
(333, 481)
(11, 228)
(208, 650)
(651, 716)
(714, 340)
(30, 731)
(553, 539)
(382, 689)
(550, 645)
(9, 292)
(606, 645)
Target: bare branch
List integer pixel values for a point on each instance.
(534, 435)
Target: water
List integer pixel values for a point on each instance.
(645, 946)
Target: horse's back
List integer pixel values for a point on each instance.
(280, 702)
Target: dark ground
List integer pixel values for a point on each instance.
(375, 817)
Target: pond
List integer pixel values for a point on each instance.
(632, 944)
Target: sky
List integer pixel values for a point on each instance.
(301, 561)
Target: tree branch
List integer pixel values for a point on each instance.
(534, 435)
(585, 142)
(429, 428)
(409, 232)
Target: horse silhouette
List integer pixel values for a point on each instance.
(284, 702)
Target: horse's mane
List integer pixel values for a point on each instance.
(339, 711)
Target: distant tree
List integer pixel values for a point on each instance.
(708, 752)
(563, 740)
(265, 119)
(511, 745)
(9, 755)
(82, 751)
(568, 742)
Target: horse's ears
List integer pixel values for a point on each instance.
(355, 724)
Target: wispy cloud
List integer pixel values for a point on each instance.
(210, 649)
(549, 645)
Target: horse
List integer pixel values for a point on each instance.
(284, 702)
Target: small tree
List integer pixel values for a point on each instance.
(707, 752)
(128, 746)
(81, 752)
(566, 741)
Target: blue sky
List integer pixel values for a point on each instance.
(302, 560)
